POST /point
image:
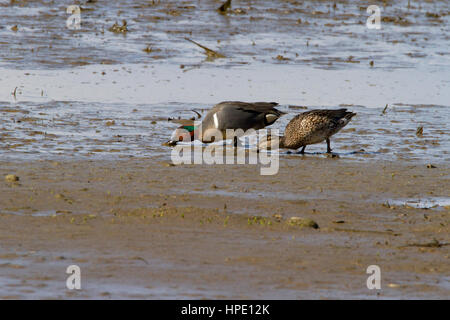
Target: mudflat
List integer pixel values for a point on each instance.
(143, 228)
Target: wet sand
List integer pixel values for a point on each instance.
(142, 228)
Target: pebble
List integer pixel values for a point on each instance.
(11, 178)
(304, 222)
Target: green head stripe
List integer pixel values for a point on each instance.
(189, 128)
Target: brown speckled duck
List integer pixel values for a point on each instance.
(312, 127)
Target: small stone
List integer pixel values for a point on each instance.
(281, 58)
(119, 29)
(277, 217)
(148, 49)
(303, 222)
(11, 178)
(333, 156)
(239, 11)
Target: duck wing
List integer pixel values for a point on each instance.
(252, 107)
(322, 117)
(316, 125)
(242, 115)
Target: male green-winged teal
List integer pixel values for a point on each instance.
(228, 115)
(312, 127)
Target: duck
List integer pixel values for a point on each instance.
(311, 127)
(227, 115)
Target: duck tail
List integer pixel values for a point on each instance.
(349, 115)
(346, 118)
(272, 115)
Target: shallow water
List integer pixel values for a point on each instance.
(312, 33)
(425, 203)
(55, 129)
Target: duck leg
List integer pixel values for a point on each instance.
(328, 146)
(302, 151)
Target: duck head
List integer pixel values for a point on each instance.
(183, 133)
(187, 132)
(271, 142)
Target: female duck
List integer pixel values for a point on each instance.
(311, 127)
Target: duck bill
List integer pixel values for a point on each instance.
(170, 143)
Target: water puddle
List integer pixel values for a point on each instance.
(423, 203)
